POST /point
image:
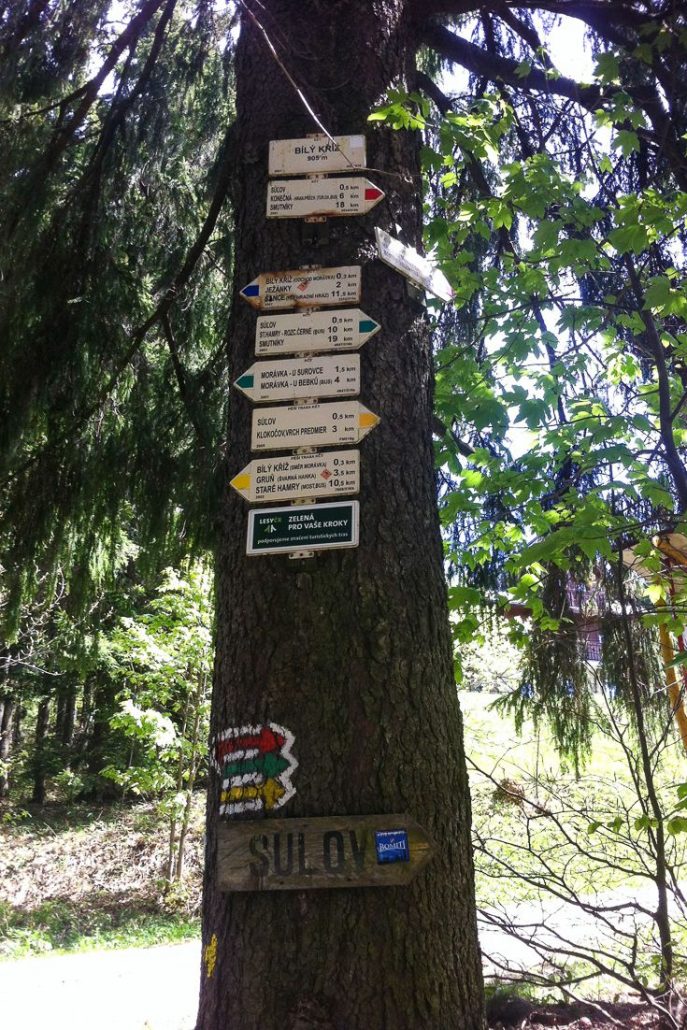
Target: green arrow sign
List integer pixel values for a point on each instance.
(270, 765)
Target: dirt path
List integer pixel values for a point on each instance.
(157, 988)
(137, 989)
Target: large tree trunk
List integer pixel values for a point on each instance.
(349, 650)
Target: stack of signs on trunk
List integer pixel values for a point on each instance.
(319, 333)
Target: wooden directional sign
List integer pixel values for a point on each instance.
(325, 474)
(313, 332)
(304, 288)
(306, 854)
(310, 425)
(317, 154)
(332, 197)
(301, 527)
(298, 378)
(412, 265)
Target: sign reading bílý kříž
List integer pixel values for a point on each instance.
(304, 288)
(316, 154)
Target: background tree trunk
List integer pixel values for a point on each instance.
(350, 650)
(39, 751)
(7, 705)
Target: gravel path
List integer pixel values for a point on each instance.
(136, 989)
(157, 988)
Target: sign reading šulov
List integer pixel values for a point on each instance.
(301, 527)
(299, 378)
(317, 154)
(304, 288)
(313, 332)
(412, 265)
(293, 476)
(331, 197)
(323, 852)
(310, 425)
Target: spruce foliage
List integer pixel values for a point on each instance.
(114, 260)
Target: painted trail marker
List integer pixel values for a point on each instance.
(317, 154)
(299, 378)
(412, 265)
(331, 197)
(326, 474)
(256, 765)
(313, 331)
(304, 288)
(313, 527)
(302, 854)
(310, 425)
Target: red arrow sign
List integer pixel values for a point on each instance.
(260, 738)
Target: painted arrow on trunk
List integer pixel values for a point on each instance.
(256, 764)
(261, 740)
(268, 766)
(246, 798)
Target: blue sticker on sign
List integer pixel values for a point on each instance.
(392, 846)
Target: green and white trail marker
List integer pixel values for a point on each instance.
(313, 332)
(301, 378)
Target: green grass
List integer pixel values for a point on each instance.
(57, 927)
(519, 839)
(80, 878)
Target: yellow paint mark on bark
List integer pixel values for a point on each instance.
(210, 955)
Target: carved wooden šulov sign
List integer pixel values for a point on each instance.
(335, 851)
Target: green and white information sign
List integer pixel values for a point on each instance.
(311, 527)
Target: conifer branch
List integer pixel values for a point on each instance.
(182, 381)
(139, 334)
(64, 134)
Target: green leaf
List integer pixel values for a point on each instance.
(608, 68)
(630, 239)
(626, 141)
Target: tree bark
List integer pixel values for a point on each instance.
(39, 772)
(350, 650)
(6, 720)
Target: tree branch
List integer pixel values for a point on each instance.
(139, 334)
(503, 69)
(181, 379)
(65, 133)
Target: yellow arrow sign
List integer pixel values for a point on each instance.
(325, 474)
(271, 792)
